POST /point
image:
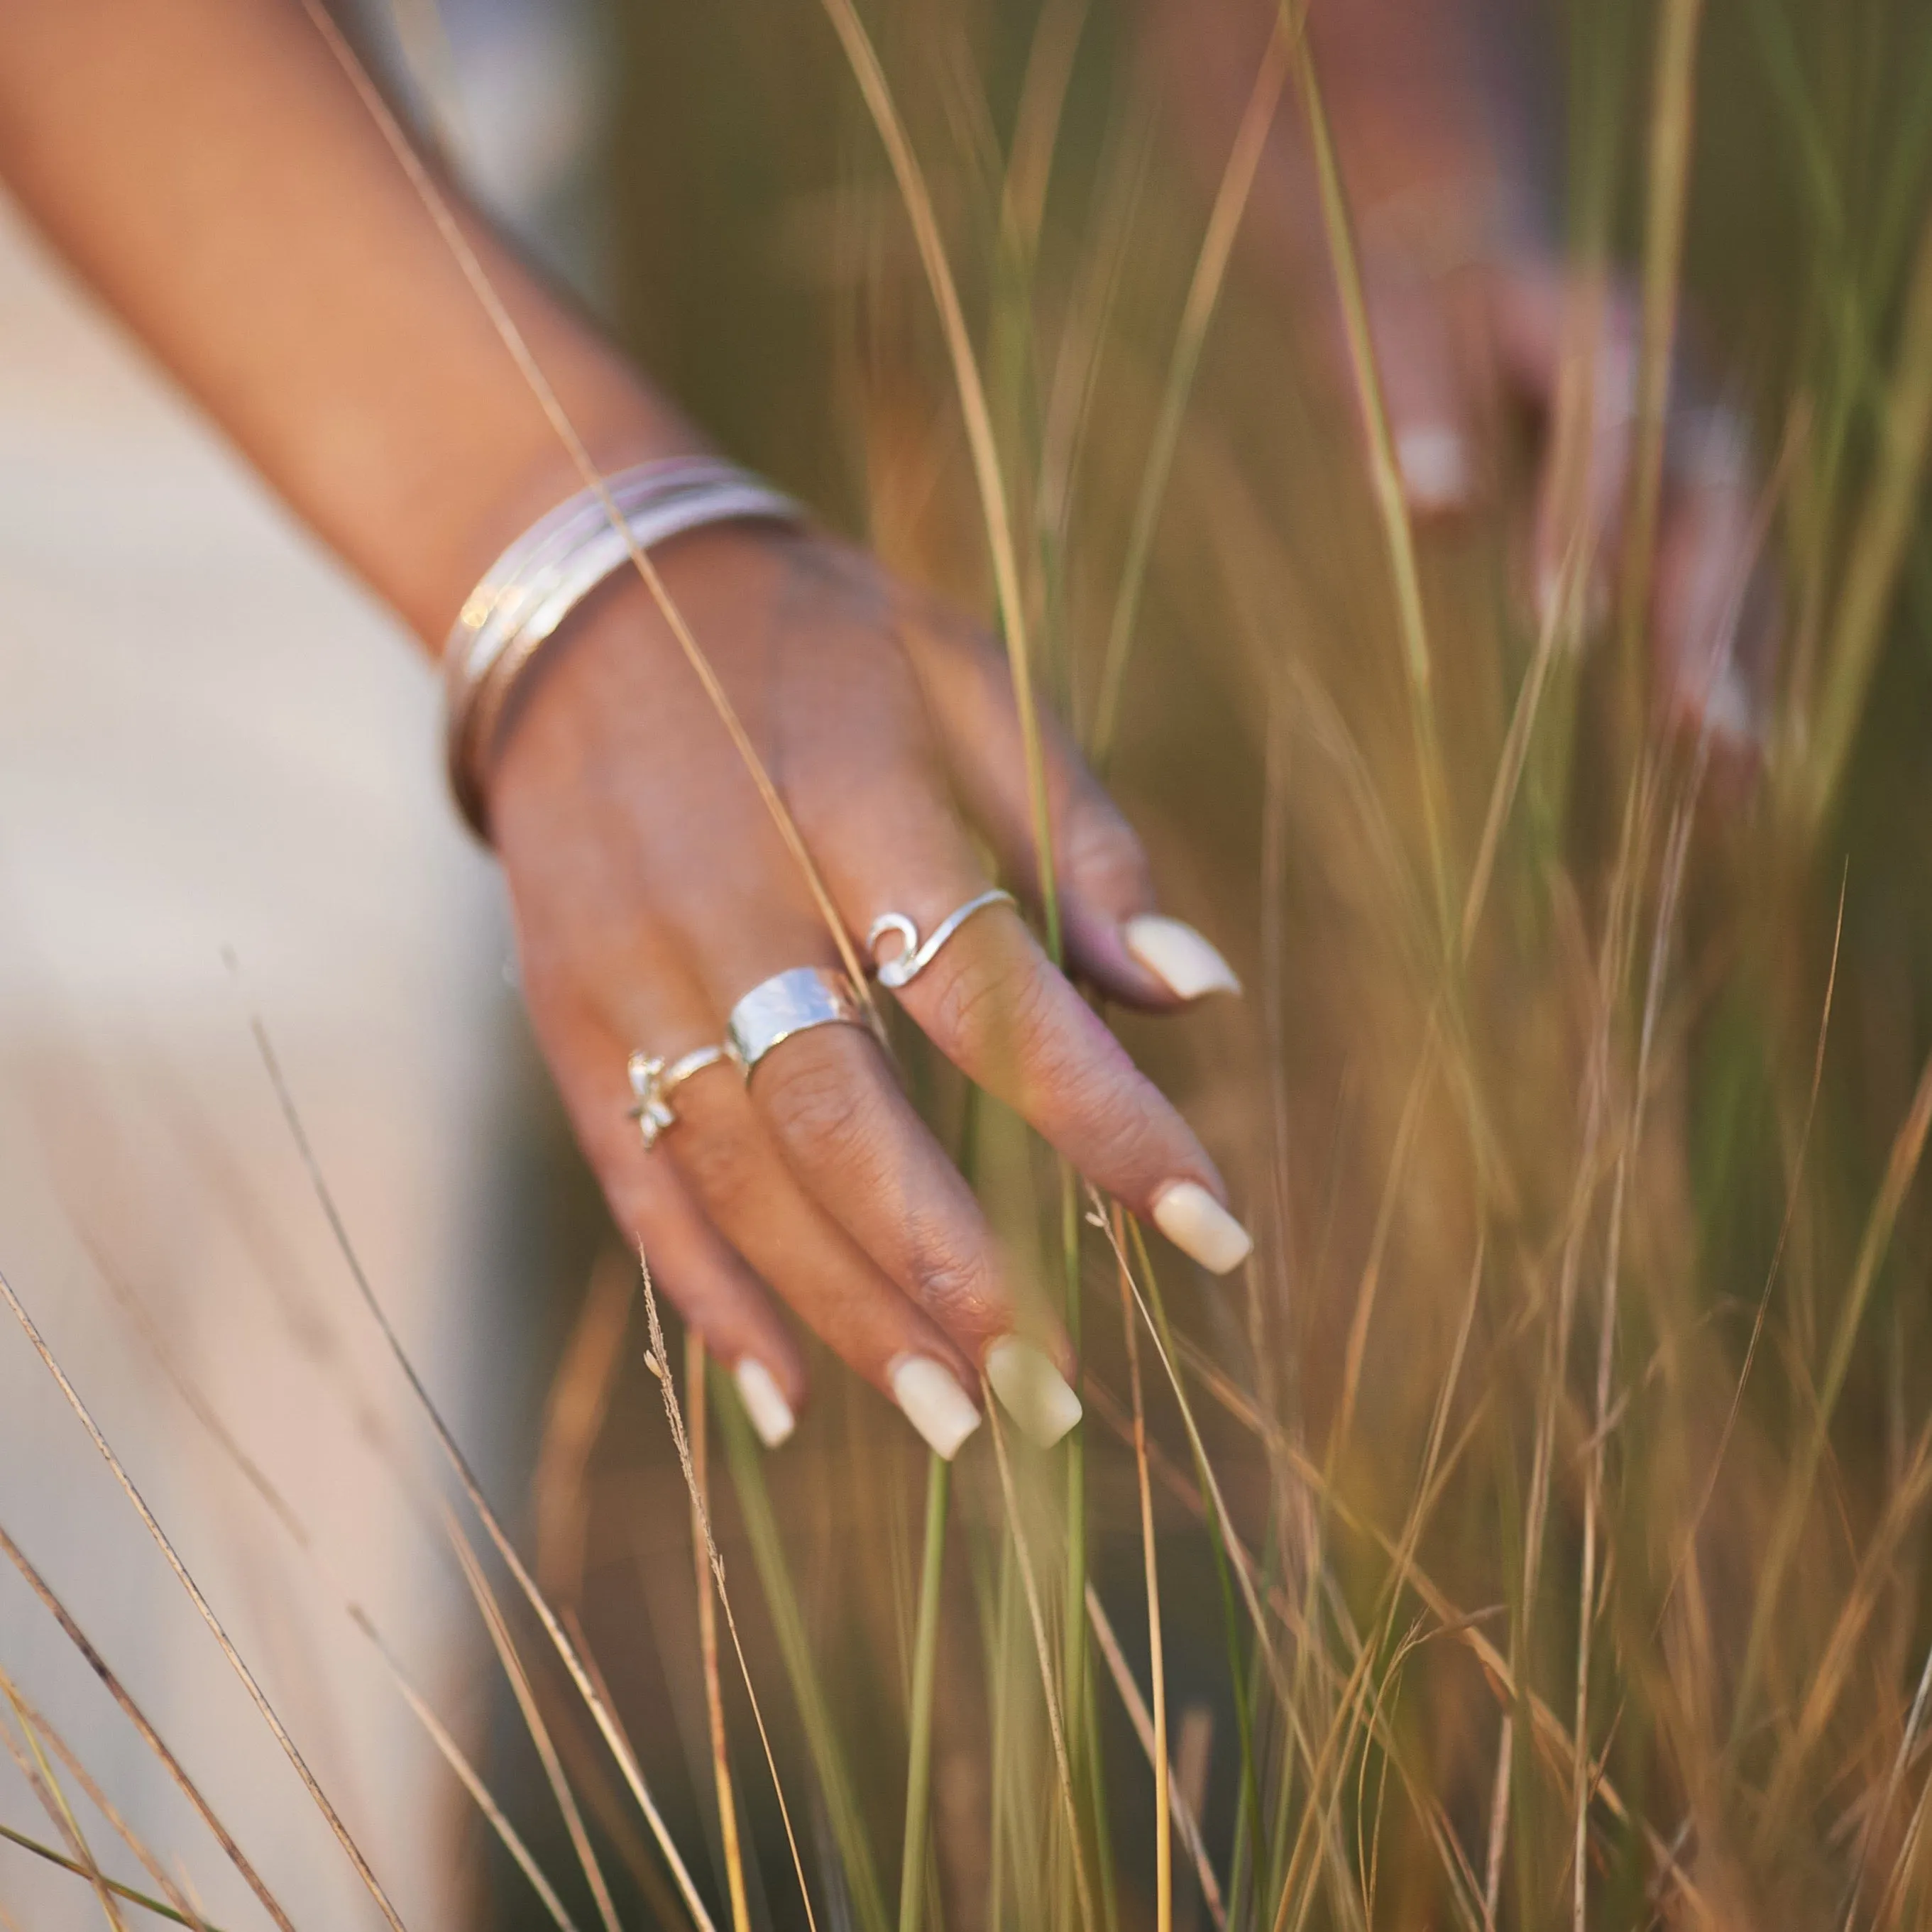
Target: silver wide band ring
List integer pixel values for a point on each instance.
(913, 957)
(786, 1004)
(654, 1080)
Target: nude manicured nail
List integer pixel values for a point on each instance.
(1436, 471)
(1032, 1390)
(1550, 588)
(1727, 706)
(1178, 956)
(764, 1402)
(933, 1403)
(1200, 1227)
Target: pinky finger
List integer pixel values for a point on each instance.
(706, 1279)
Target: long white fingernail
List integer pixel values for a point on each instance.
(1436, 471)
(1199, 1226)
(1548, 591)
(1034, 1392)
(764, 1402)
(934, 1404)
(1727, 705)
(1178, 956)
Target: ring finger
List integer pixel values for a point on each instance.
(714, 1142)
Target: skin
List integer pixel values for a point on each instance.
(209, 168)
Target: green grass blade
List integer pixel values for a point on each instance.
(1673, 86)
(925, 1676)
(840, 1793)
(157, 1907)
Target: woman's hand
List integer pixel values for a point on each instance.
(1513, 329)
(1476, 319)
(653, 891)
(322, 318)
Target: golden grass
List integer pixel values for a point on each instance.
(696, 1402)
(36, 1729)
(148, 1734)
(658, 1362)
(338, 1830)
(1550, 1496)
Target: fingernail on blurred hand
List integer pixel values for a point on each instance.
(1727, 706)
(1032, 1390)
(1438, 474)
(1201, 1228)
(933, 1403)
(1178, 957)
(764, 1403)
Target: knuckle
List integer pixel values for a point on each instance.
(1127, 1144)
(722, 1165)
(986, 1015)
(959, 1289)
(1108, 860)
(815, 1104)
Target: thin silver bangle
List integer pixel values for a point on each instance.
(536, 583)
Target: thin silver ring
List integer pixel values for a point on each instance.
(654, 1081)
(790, 1002)
(906, 966)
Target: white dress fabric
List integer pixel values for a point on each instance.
(211, 742)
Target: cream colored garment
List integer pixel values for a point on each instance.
(209, 739)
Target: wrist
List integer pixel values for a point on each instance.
(532, 590)
(527, 475)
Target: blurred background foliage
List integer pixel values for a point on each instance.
(1445, 1219)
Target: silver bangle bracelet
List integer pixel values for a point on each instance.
(536, 583)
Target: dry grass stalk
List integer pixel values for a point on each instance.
(837, 1795)
(337, 1828)
(1186, 1819)
(159, 1907)
(657, 1362)
(574, 1663)
(1055, 1723)
(1163, 1842)
(697, 1398)
(1880, 542)
(1908, 1145)
(453, 1755)
(149, 1736)
(158, 1343)
(574, 1415)
(30, 1761)
(1385, 470)
(1049, 72)
(1203, 293)
(1551, 1733)
(920, 1709)
(31, 1721)
(525, 1693)
(995, 503)
(1673, 97)
(1585, 1773)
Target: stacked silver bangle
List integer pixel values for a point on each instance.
(536, 583)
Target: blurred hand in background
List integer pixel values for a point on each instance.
(1482, 323)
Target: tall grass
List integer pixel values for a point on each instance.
(1543, 1516)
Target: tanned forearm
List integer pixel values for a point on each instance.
(208, 167)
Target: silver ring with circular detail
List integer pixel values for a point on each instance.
(788, 1002)
(654, 1080)
(907, 964)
